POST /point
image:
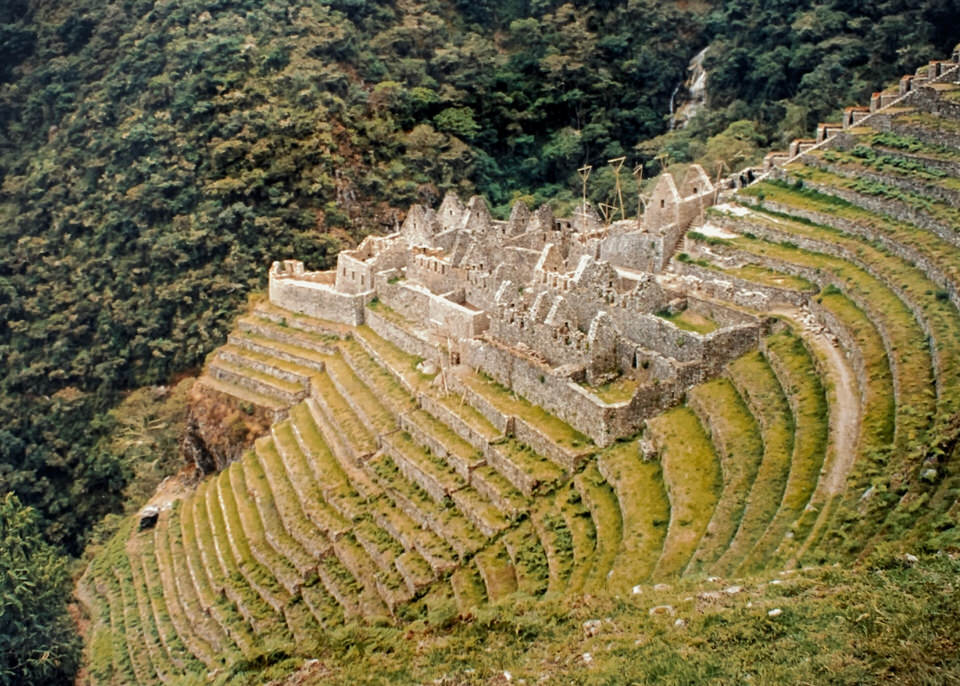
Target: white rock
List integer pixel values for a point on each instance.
(713, 579)
(775, 612)
(912, 559)
(587, 658)
(733, 590)
(637, 590)
(661, 587)
(508, 676)
(680, 623)
(776, 582)
(591, 627)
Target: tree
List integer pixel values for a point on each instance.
(38, 643)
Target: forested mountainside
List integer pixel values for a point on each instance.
(156, 156)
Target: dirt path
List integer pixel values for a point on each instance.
(844, 399)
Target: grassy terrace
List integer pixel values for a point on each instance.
(285, 333)
(583, 535)
(349, 426)
(378, 418)
(344, 485)
(914, 366)
(769, 277)
(691, 475)
(760, 389)
(877, 422)
(943, 213)
(690, 321)
(399, 361)
(220, 609)
(531, 463)
(939, 312)
(245, 356)
(530, 564)
(620, 390)
(469, 414)
(900, 143)
(323, 328)
(598, 498)
(468, 588)
(801, 383)
(943, 254)
(380, 381)
(305, 514)
(275, 527)
(850, 163)
(446, 522)
(737, 438)
(555, 539)
(928, 122)
(248, 341)
(509, 403)
(644, 509)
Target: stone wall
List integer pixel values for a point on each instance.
(316, 299)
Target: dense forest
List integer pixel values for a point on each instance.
(156, 156)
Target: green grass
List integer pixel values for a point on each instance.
(760, 389)
(556, 539)
(583, 535)
(690, 321)
(801, 383)
(644, 509)
(769, 277)
(691, 475)
(599, 499)
(737, 438)
(529, 559)
(620, 390)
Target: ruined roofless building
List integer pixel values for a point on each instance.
(554, 309)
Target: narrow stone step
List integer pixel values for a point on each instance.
(347, 435)
(274, 529)
(408, 533)
(143, 669)
(381, 590)
(555, 539)
(416, 572)
(303, 338)
(323, 328)
(276, 367)
(583, 536)
(492, 485)
(497, 572)
(323, 606)
(468, 588)
(450, 525)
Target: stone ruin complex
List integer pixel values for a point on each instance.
(551, 308)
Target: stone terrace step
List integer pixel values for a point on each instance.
(449, 524)
(644, 509)
(197, 631)
(241, 393)
(375, 596)
(583, 536)
(358, 396)
(737, 438)
(600, 500)
(530, 565)
(436, 552)
(301, 338)
(265, 470)
(691, 475)
(497, 572)
(761, 391)
(138, 647)
(310, 494)
(226, 616)
(416, 572)
(305, 357)
(266, 363)
(344, 483)
(346, 434)
(319, 327)
(254, 380)
(555, 539)
(498, 490)
(323, 606)
(468, 588)
(794, 366)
